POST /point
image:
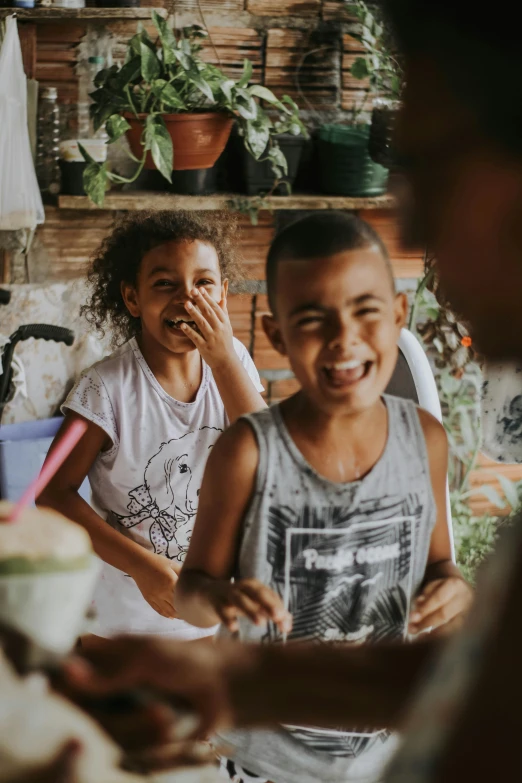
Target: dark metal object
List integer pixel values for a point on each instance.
(57, 334)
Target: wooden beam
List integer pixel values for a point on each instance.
(144, 200)
(91, 14)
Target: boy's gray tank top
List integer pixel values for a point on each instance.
(347, 559)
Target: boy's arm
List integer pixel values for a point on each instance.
(152, 574)
(205, 595)
(445, 596)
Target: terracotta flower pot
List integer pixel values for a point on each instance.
(198, 139)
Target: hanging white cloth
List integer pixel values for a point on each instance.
(20, 200)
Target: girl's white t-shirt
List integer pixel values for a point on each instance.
(147, 484)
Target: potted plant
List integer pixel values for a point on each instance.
(255, 177)
(355, 157)
(381, 66)
(177, 111)
(346, 168)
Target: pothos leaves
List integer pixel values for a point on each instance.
(95, 178)
(116, 126)
(168, 75)
(159, 142)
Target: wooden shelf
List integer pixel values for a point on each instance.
(140, 200)
(89, 14)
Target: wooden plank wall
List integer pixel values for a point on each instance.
(56, 57)
(228, 47)
(304, 65)
(28, 34)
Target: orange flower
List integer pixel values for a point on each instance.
(466, 342)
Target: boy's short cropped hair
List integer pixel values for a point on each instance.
(318, 236)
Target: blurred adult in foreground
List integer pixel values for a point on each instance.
(460, 140)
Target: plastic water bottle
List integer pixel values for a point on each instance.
(47, 154)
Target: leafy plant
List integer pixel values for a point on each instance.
(475, 539)
(379, 64)
(168, 76)
(459, 385)
(250, 206)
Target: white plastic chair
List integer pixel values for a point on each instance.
(413, 379)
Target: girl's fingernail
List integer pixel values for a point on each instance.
(415, 618)
(189, 305)
(195, 292)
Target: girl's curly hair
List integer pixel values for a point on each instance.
(119, 258)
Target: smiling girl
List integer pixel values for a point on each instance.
(154, 408)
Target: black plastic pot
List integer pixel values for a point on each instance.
(192, 182)
(72, 177)
(380, 143)
(307, 180)
(346, 168)
(255, 177)
(195, 182)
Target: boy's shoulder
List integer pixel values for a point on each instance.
(237, 449)
(244, 434)
(434, 432)
(414, 422)
(430, 424)
(261, 418)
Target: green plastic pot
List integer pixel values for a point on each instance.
(346, 168)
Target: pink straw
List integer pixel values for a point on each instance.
(54, 461)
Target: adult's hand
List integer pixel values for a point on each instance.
(254, 685)
(189, 681)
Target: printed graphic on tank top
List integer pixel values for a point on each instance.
(344, 579)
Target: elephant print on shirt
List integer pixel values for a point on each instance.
(168, 497)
